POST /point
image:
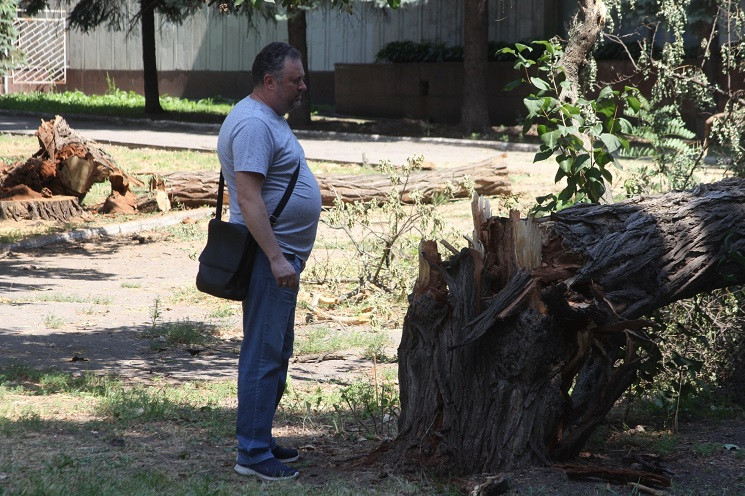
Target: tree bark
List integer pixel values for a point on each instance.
(60, 208)
(512, 352)
(475, 105)
(296, 33)
(586, 27)
(193, 189)
(149, 64)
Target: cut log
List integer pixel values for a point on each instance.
(506, 362)
(61, 208)
(194, 189)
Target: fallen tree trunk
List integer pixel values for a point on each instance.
(193, 189)
(514, 350)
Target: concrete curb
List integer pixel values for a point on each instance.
(110, 230)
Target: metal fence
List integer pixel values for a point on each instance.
(42, 43)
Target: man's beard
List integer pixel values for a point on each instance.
(296, 103)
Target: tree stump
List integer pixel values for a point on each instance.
(61, 208)
(514, 350)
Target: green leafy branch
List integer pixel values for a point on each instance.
(582, 136)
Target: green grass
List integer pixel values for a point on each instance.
(70, 298)
(327, 340)
(22, 378)
(52, 321)
(185, 332)
(114, 102)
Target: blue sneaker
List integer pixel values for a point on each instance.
(269, 470)
(285, 455)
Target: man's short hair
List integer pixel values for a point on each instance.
(271, 60)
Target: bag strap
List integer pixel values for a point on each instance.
(278, 209)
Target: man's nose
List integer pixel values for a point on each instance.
(302, 86)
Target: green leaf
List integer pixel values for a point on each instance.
(607, 175)
(513, 84)
(534, 105)
(551, 138)
(606, 108)
(565, 163)
(625, 125)
(611, 142)
(634, 103)
(520, 47)
(570, 110)
(559, 175)
(595, 190)
(596, 128)
(567, 130)
(602, 158)
(505, 50)
(581, 162)
(394, 4)
(543, 154)
(540, 84)
(567, 193)
(606, 92)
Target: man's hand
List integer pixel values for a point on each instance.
(284, 273)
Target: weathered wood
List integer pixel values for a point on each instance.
(61, 208)
(193, 189)
(505, 363)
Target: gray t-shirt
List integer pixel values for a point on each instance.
(253, 138)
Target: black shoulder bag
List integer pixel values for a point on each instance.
(226, 262)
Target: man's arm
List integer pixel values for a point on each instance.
(256, 218)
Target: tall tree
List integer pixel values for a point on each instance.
(475, 105)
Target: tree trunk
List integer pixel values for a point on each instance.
(149, 65)
(296, 33)
(513, 352)
(475, 107)
(193, 189)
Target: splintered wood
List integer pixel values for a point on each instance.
(53, 181)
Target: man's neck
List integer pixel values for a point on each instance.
(258, 96)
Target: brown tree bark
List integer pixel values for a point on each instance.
(296, 33)
(512, 352)
(60, 208)
(193, 189)
(475, 106)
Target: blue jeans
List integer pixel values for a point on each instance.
(268, 334)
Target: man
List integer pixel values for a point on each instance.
(259, 154)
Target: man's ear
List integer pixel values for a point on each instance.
(269, 81)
